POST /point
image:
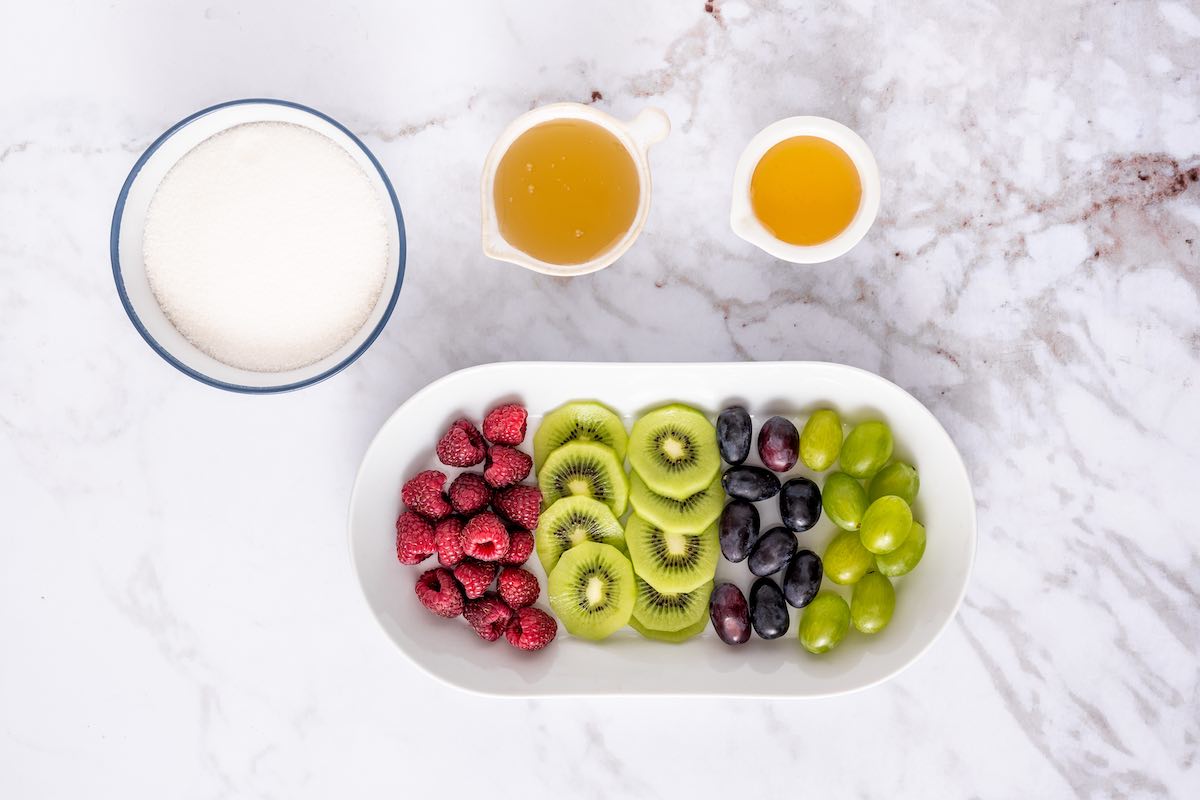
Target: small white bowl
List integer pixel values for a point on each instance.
(649, 127)
(746, 225)
(129, 268)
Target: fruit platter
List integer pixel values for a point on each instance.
(755, 529)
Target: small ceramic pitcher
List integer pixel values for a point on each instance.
(741, 213)
(648, 128)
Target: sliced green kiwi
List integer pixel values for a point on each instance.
(680, 516)
(670, 611)
(672, 562)
(674, 449)
(673, 637)
(571, 521)
(591, 590)
(587, 469)
(586, 421)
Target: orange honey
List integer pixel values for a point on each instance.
(566, 191)
(805, 190)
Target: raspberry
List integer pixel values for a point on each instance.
(485, 537)
(488, 615)
(414, 538)
(506, 466)
(439, 593)
(447, 540)
(521, 505)
(520, 546)
(531, 629)
(461, 446)
(470, 493)
(423, 494)
(517, 587)
(505, 424)
(475, 577)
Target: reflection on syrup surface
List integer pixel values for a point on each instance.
(566, 191)
(805, 190)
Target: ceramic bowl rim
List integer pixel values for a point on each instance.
(114, 253)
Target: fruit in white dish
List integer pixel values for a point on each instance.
(585, 469)
(585, 421)
(779, 444)
(571, 521)
(592, 590)
(824, 622)
(735, 431)
(821, 440)
(674, 450)
(904, 558)
(672, 562)
(866, 449)
(886, 524)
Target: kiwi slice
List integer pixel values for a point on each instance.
(586, 421)
(587, 469)
(591, 590)
(672, 562)
(666, 612)
(571, 521)
(679, 516)
(673, 637)
(674, 449)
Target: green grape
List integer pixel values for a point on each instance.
(866, 449)
(872, 604)
(824, 622)
(904, 558)
(886, 524)
(844, 500)
(896, 478)
(821, 440)
(845, 559)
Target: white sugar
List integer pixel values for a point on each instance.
(266, 246)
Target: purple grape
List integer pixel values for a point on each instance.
(800, 504)
(729, 613)
(734, 431)
(773, 550)
(802, 579)
(768, 612)
(738, 529)
(750, 483)
(779, 444)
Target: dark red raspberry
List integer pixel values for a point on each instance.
(423, 494)
(470, 493)
(439, 592)
(461, 446)
(448, 541)
(506, 466)
(520, 546)
(485, 537)
(414, 538)
(531, 629)
(488, 615)
(520, 504)
(505, 424)
(475, 577)
(517, 587)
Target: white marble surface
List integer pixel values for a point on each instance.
(177, 612)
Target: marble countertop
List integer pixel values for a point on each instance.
(177, 610)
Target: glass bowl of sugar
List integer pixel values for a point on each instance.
(258, 246)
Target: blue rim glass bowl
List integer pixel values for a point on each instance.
(129, 219)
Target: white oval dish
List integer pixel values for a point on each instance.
(926, 599)
(129, 269)
(649, 127)
(746, 225)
